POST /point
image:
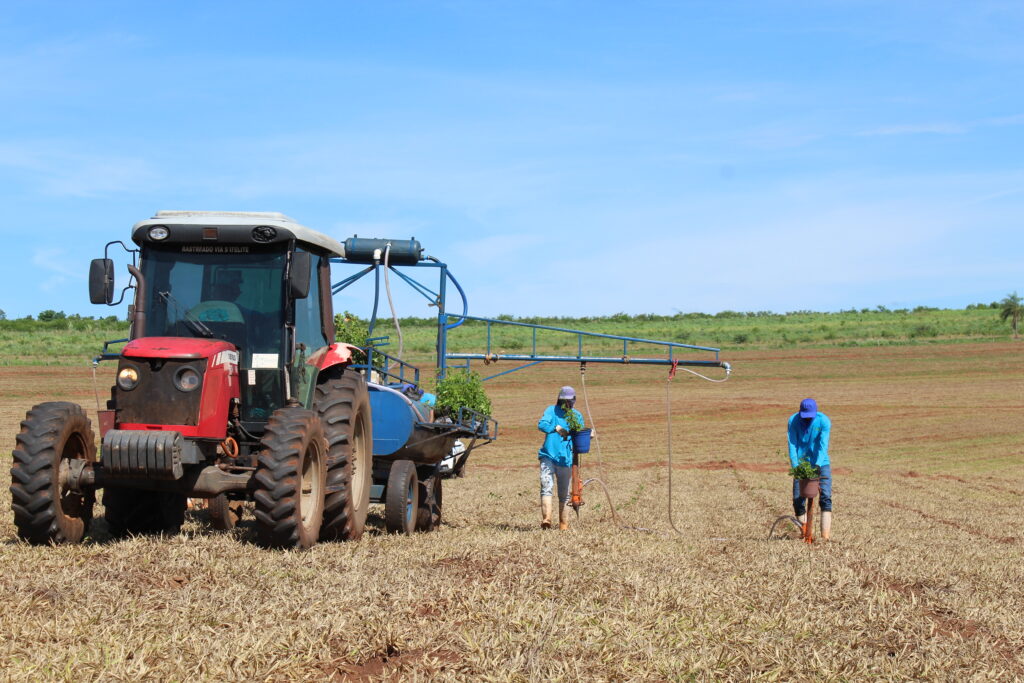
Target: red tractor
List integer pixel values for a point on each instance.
(231, 387)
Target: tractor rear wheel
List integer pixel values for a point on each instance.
(401, 501)
(134, 511)
(290, 480)
(343, 405)
(46, 511)
(428, 514)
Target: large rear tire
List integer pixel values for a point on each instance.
(402, 498)
(134, 511)
(44, 510)
(343, 405)
(290, 480)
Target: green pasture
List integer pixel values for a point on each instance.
(77, 341)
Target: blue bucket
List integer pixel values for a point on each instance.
(581, 441)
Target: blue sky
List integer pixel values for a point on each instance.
(565, 158)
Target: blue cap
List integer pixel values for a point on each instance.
(808, 408)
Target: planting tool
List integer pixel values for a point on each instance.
(809, 489)
(576, 488)
(809, 522)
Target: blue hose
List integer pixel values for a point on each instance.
(465, 303)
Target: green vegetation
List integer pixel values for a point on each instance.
(805, 470)
(68, 340)
(728, 330)
(461, 388)
(59, 339)
(1012, 309)
(575, 424)
(351, 329)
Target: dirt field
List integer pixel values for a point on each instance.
(924, 578)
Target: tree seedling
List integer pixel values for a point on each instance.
(462, 389)
(805, 470)
(575, 424)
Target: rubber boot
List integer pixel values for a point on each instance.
(545, 512)
(826, 525)
(563, 517)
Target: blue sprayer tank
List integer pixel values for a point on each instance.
(404, 429)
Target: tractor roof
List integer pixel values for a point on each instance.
(243, 219)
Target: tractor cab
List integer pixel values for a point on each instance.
(258, 281)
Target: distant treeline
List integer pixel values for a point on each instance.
(59, 318)
(56, 338)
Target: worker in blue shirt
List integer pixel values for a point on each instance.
(809, 432)
(555, 456)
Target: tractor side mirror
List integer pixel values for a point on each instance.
(101, 281)
(298, 275)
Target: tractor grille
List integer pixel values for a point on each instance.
(155, 400)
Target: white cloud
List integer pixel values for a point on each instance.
(57, 261)
(56, 168)
(946, 128)
(919, 129)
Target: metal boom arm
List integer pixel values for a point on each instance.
(533, 357)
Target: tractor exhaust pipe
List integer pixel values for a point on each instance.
(139, 316)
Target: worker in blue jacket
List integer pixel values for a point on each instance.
(555, 456)
(809, 432)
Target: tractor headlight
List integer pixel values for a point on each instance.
(128, 378)
(158, 233)
(187, 379)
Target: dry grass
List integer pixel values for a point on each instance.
(924, 579)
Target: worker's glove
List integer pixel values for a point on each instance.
(561, 431)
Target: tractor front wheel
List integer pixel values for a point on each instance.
(290, 480)
(401, 501)
(46, 510)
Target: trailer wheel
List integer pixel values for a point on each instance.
(290, 480)
(224, 513)
(344, 408)
(402, 498)
(428, 514)
(134, 511)
(46, 511)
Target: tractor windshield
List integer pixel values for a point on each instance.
(238, 297)
(220, 293)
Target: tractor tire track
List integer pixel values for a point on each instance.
(940, 496)
(751, 493)
(947, 623)
(955, 524)
(961, 526)
(972, 485)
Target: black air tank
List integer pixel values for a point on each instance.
(403, 252)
